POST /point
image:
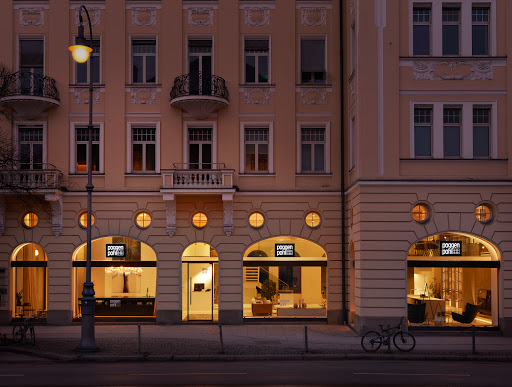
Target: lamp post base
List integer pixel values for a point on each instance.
(88, 342)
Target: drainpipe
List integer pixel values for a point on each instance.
(342, 122)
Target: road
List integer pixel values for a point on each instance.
(310, 373)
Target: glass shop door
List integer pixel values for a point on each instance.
(199, 291)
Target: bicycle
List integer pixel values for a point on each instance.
(25, 332)
(403, 341)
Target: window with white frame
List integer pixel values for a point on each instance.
(143, 61)
(143, 149)
(481, 132)
(423, 132)
(421, 30)
(81, 149)
(30, 146)
(312, 150)
(31, 62)
(82, 69)
(451, 131)
(451, 30)
(312, 60)
(256, 60)
(480, 30)
(256, 150)
(200, 143)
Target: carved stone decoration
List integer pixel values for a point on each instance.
(257, 16)
(143, 96)
(313, 16)
(352, 86)
(31, 16)
(82, 97)
(313, 96)
(257, 95)
(144, 17)
(227, 201)
(55, 200)
(200, 17)
(352, 6)
(452, 70)
(170, 216)
(2, 215)
(94, 14)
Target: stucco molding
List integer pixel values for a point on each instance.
(94, 14)
(313, 95)
(257, 95)
(313, 16)
(2, 215)
(431, 70)
(257, 16)
(170, 215)
(227, 201)
(55, 199)
(144, 16)
(200, 17)
(82, 97)
(31, 17)
(143, 96)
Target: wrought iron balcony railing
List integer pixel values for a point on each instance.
(28, 83)
(197, 83)
(20, 180)
(190, 176)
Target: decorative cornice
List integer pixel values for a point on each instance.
(314, 16)
(257, 95)
(31, 17)
(94, 13)
(144, 96)
(144, 16)
(200, 16)
(82, 96)
(456, 69)
(257, 16)
(313, 95)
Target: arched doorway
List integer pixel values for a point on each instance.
(123, 271)
(29, 281)
(199, 283)
(285, 277)
(452, 280)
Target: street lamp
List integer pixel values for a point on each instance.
(81, 52)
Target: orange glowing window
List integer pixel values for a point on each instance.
(30, 220)
(483, 213)
(143, 219)
(313, 219)
(420, 213)
(199, 220)
(82, 219)
(256, 220)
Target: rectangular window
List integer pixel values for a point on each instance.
(144, 61)
(313, 150)
(82, 143)
(200, 66)
(422, 132)
(421, 31)
(481, 132)
(82, 69)
(200, 148)
(480, 30)
(451, 28)
(256, 61)
(451, 132)
(30, 140)
(143, 149)
(256, 150)
(312, 60)
(32, 66)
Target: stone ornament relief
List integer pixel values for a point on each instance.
(313, 96)
(82, 97)
(452, 70)
(257, 16)
(170, 217)
(144, 17)
(55, 200)
(257, 95)
(228, 217)
(31, 17)
(352, 85)
(313, 16)
(144, 96)
(94, 14)
(200, 17)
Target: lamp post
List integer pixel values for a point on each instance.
(81, 52)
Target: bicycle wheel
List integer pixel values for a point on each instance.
(31, 336)
(17, 333)
(371, 341)
(404, 341)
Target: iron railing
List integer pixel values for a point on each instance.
(28, 83)
(26, 179)
(197, 83)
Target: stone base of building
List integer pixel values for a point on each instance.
(231, 317)
(365, 324)
(506, 326)
(59, 317)
(5, 317)
(335, 317)
(168, 317)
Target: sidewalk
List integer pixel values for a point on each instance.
(244, 342)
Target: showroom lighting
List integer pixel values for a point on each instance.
(123, 270)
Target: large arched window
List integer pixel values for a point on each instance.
(28, 264)
(285, 277)
(123, 271)
(452, 280)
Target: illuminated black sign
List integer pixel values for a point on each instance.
(116, 251)
(451, 249)
(285, 249)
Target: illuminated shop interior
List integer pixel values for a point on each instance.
(285, 287)
(124, 286)
(454, 287)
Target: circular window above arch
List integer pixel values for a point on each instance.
(420, 213)
(82, 219)
(199, 220)
(143, 219)
(483, 213)
(313, 219)
(256, 220)
(30, 220)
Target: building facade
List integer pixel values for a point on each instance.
(428, 162)
(216, 160)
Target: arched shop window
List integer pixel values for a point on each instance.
(452, 279)
(29, 293)
(285, 277)
(123, 271)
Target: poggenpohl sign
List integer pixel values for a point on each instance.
(116, 251)
(285, 250)
(451, 249)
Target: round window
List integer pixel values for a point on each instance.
(313, 219)
(143, 219)
(30, 220)
(256, 220)
(483, 213)
(420, 213)
(82, 219)
(199, 219)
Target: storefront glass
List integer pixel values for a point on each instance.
(28, 264)
(124, 275)
(285, 277)
(452, 280)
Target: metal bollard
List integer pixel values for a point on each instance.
(306, 338)
(221, 339)
(389, 338)
(138, 329)
(473, 332)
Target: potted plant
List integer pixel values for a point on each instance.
(268, 289)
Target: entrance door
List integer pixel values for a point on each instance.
(199, 291)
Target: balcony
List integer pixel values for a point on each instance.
(29, 180)
(199, 95)
(190, 179)
(29, 94)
